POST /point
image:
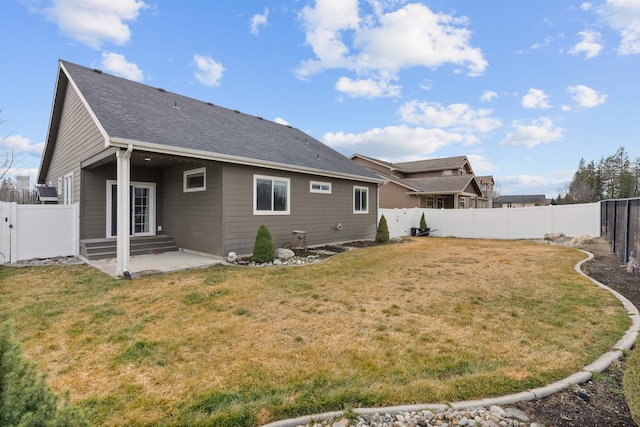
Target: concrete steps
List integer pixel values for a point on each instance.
(139, 245)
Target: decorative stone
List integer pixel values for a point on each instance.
(283, 253)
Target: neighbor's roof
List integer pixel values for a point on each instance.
(428, 165)
(144, 116)
(444, 184)
(47, 194)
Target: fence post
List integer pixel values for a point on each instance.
(76, 229)
(13, 235)
(627, 230)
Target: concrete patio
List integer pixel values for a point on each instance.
(166, 262)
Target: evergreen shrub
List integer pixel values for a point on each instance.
(382, 232)
(263, 249)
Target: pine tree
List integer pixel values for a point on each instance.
(25, 397)
(263, 249)
(382, 233)
(423, 222)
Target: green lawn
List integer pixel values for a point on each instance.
(428, 321)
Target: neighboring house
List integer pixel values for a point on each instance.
(446, 183)
(520, 201)
(143, 161)
(487, 186)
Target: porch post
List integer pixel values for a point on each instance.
(123, 159)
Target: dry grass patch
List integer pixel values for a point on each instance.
(432, 320)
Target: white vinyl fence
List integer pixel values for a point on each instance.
(38, 231)
(500, 223)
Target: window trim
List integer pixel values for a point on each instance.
(67, 183)
(320, 184)
(185, 176)
(353, 200)
(273, 179)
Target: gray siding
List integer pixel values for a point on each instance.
(394, 196)
(194, 219)
(78, 138)
(314, 213)
(93, 222)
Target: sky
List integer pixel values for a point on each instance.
(524, 88)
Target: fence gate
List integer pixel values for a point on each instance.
(7, 216)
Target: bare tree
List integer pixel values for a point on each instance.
(8, 158)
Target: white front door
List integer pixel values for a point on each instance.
(142, 196)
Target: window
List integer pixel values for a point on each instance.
(360, 200)
(270, 195)
(59, 186)
(320, 187)
(195, 180)
(447, 173)
(430, 202)
(68, 189)
(461, 202)
(440, 203)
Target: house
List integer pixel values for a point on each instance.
(445, 183)
(520, 201)
(487, 186)
(142, 161)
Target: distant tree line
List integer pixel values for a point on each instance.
(613, 177)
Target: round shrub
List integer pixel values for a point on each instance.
(263, 249)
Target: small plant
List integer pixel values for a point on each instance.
(382, 233)
(25, 397)
(423, 222)
(263, 250)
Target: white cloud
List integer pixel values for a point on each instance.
(586, 97)
(591, 44)
(379, 45)
(536, 132)
(97, 21)
(521, 184)
(547, 41)
(20, 144)
(324, 25)
(480, 164)
(258, 21)
(586, 6)
(32, 173)
(415, 36)
(535, 98)
(209, 72)
(624, 17)
(367, 88)
(281, 121)
(458, 117)
(395, 143)
(118, 65)
(488, 95)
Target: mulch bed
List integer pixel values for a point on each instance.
(606, 405)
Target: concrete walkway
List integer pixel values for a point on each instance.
(144, 265)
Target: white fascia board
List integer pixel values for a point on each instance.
(207, 155)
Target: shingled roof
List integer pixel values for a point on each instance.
(131, 112)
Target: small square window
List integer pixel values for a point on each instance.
(195, 180)
(320, 187)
